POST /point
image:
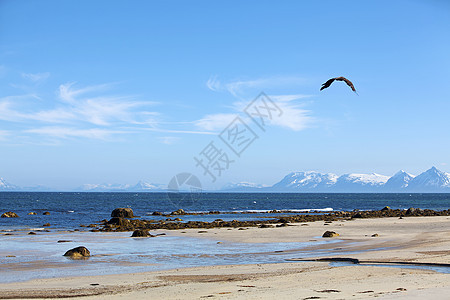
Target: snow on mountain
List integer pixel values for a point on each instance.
(430, 180)
(103, 187)
(143, 186)
(6, 186)
(318, 182)
(433, 180)
(399, 181)
(373, 179)
(360, 182)
(309, 180)
(244, 186)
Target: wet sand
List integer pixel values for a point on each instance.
(413, 239)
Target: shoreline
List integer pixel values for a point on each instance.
(414, 239)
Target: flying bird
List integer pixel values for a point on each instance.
(330, 81)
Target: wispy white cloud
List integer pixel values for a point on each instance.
(76, 109)
(73, 107)
(213, 84)
(68, 132)
(155, 129)
(214, 122)
(294, 117)
(104, 109)
(68, 93)
(36, 77)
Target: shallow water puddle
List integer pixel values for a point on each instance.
(24, 257)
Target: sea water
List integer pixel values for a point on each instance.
(24, 257)
(70, 210)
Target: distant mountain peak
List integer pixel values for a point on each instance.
(400, 180)
(6, 186)
(307, 180)
(146, 186)
(432, 179)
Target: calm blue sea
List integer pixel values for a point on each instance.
(70, 210)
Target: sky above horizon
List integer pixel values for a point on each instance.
(117, 92)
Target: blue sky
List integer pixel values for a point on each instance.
(117, 91)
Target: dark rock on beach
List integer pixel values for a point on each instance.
(330, 234)
(122, 213)
(78, 252)
(141, 233)
(46, 213)
(10, 214)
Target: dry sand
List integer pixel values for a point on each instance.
(414, 239)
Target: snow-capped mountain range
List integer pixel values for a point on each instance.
(244, 186)
(141, 186)
(432, 180)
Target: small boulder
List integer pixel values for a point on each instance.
(157, 213)
(32, 213)
(328, 234)
(178, 212)
(375, 235)
(10, 214)
(46, 213)
(46, 225)
(122, 213)
(78, 252)
(386, 208)
(140, 233)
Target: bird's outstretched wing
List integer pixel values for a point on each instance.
(330, 81)
(327, 84)
(348, 82)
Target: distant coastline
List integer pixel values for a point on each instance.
(430, 181)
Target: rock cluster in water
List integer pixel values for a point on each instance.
(10, 214)
(122, 213)
(126, 224)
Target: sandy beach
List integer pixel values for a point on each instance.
(423, 240)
